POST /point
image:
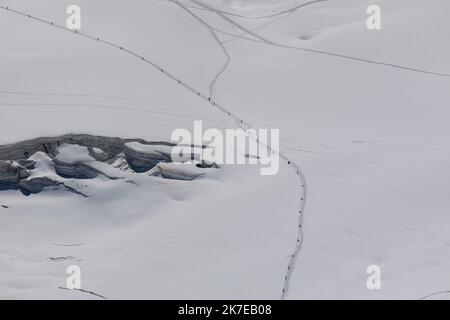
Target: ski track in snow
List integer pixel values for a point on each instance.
(212, 85)
(244, 125)
(85, 291)
(241, 122)
(101, 106)
(79, 95)
(69, 244)
(299, 240)
(273, 15)
(266, 41)
(435, 294)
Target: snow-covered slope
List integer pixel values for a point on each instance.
(363, 113)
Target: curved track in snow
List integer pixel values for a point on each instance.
(243, 124)
(264, 40)
(446, 292)
(212, 85)
(272, 15)
(299, 239)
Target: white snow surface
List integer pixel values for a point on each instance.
(369, 137)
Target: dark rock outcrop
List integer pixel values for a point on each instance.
(18, 171)
(12, 172)
(38, 184)
(75, 170)
(144, 161)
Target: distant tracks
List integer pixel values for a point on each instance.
(207, 97)
(86, 291)
(264, 40)
(301, 208)
(243, 124)
(273, 15)
(212, 85)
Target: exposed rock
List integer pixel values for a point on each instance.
(75, 170)
(38, 184)
(120, 162)
(142, 160)
(11, 172)
(8, 173)
(27, 164)
(205, 164)
(98, 154)
(35, 165)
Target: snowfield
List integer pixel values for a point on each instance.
(363, 114)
